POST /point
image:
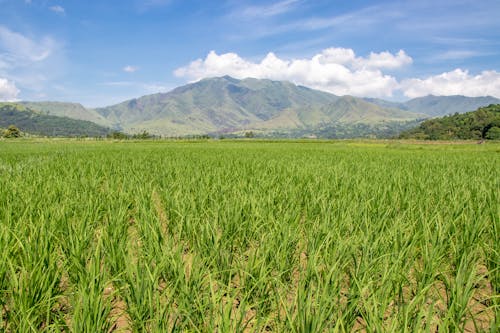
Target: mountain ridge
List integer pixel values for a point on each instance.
(226, 105)
(438, 106)
(39, 123)
(66, 109)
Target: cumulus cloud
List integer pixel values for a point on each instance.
(58, 9)
(341, 72)
(387, 60)
(8, 90)
(336, 70)
(456, 82)
(130, 69)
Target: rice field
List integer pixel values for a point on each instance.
(249, 236)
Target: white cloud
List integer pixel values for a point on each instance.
(341, 72)
(366, 19)
(33, 62)
(130, 69)
(386, 60)
(457, 82)
(8, 90)
(336, 70)
(383, 60)
(457, 55)
(17, 49)
(58, 9)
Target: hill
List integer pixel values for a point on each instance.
(70, 110)
(444, 105)
(436, 106)
(35, 122)
(225, 105)
(484, 123)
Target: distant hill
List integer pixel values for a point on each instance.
(225, 104)
(35, 122)
(436, 106)
(443, 105)
(70, 110)
(484, 123)
(386, 104)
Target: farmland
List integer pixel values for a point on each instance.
(249, 236)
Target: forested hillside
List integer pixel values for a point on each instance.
(33, 122)
(484, 123)
(69, 110)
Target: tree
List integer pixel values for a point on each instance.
(477, 125)
(493, 133)
(142, 136)
(118, 135)
(12, 132)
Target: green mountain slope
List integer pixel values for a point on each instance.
(344, 110)
(386, 104)
(226, 104)
(443, 105)
(36, 122)
(484, 123)
(356, 110)
(70, 110)
(436, 106)
(212, 105)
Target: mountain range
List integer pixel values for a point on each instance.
(228, 105)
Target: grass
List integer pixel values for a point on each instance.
(249, 236)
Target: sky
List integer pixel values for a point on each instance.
(103, 52)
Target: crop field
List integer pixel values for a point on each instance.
(249, 236)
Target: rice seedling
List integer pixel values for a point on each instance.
(248, 236)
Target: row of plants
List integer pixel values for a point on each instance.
(248, 236)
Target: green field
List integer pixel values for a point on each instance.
(249, 236)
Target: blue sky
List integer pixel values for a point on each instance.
(102, 52)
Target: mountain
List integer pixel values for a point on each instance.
(436, 106)
(229, 106)
(38, 123)
(344, 111)
(443, 105)
(70, 110)
(386, 104)
(226, 104)
(211, 105)
(484, 123)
